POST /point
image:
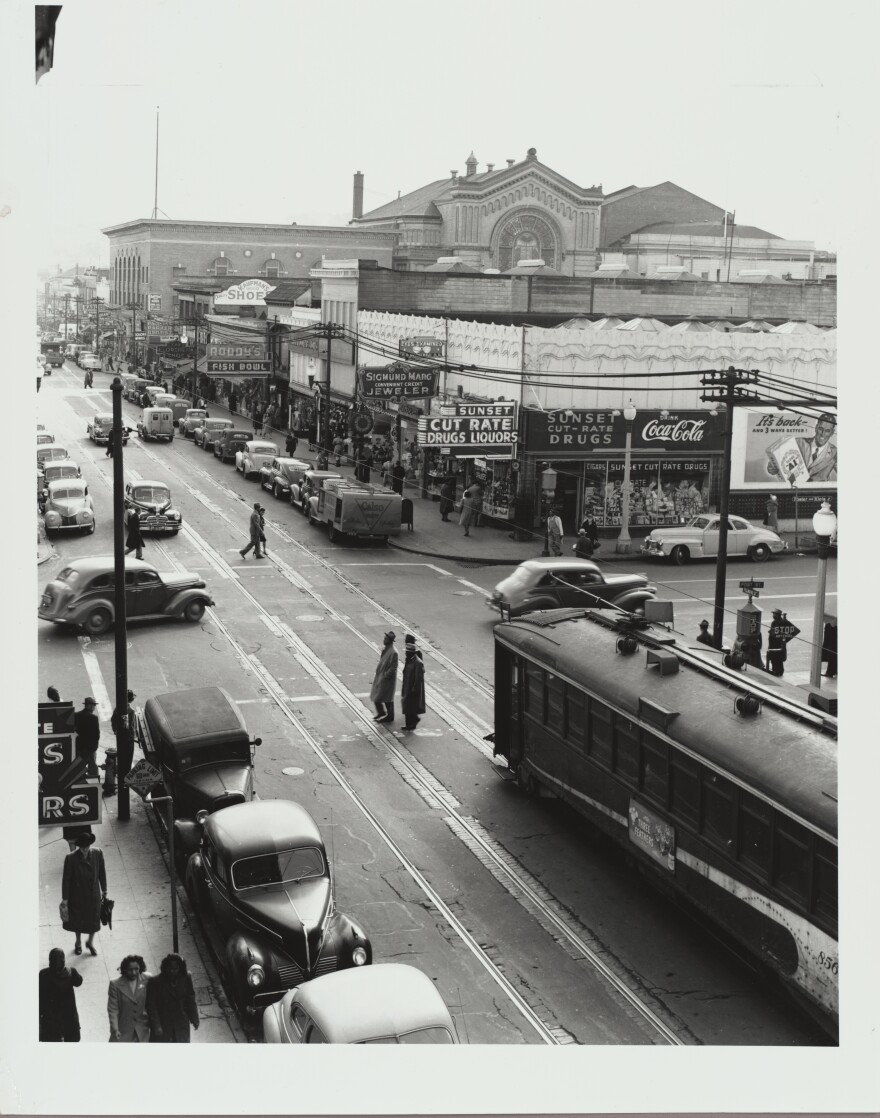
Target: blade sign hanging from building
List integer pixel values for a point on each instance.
(397, 381)
(242, 359)
(472, 430)
(421, 347)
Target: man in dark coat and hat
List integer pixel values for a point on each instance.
(385, 680)
(781, 632)
(59, 1019)
(88, 734)
(134, 540)
(412, 692)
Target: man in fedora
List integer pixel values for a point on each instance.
(385, 680)
(255, 529)
(88, 734)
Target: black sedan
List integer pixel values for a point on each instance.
(575, 583)
(261, 882)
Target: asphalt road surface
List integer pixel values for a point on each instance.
(534, 931)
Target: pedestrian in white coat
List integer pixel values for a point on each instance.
(127, 1002)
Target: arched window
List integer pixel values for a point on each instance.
(271, 269)
(221, 267)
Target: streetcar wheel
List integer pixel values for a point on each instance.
(760, 553)
(680, 555)
(97, 622)
(195, 611)
(528, 783)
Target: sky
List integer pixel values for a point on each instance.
(268, 108)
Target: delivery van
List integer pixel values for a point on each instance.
(156, 423)
(351, 509)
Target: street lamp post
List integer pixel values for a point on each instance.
(624, 544)
(548, 490)
(824, 525)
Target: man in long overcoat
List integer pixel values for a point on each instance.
(255, 530)
(385, 680)
(412, 691)
(83, 885)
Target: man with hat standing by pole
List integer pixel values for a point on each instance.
(88, 734)
(385, 680)
(781, 632)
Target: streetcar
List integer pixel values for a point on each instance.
(722, 787)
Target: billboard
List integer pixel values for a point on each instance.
(774, 448)
(397, 381)
(472, 430)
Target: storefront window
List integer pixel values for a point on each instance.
(662, 492)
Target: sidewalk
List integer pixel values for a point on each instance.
(138, 881)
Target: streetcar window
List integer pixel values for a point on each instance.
(684, 781)
(755, 827)
(626, 741)
(575, 716)
(654, 777)
(718, 816)
(555, 710)
(600, 733)
(533, 690)
(825, 880)
(792, 858)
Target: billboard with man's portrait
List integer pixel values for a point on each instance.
(775, 448)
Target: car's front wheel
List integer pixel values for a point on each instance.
(98, 622)
(278, 492)
(680, 555)
(194, 611)
(760, 553)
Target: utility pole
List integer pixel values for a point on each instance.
(123, 755)
(328, 330)
(725, 388)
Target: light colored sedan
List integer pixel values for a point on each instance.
(191, 419)
(253, 456)
(90, 361)
(699, 540)
(68, 506)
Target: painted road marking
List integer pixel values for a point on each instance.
(96, 679)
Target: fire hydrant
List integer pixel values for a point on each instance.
(109, 768)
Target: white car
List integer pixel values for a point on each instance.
(699, 540)
(68, 506)
(192, 418)
(254, 455)
(90, 361)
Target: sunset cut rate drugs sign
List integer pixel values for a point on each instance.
(472, 430)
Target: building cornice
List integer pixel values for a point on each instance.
(243, 229)
(464, 191)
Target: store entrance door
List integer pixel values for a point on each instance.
(567, 497)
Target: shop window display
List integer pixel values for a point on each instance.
(661, 492)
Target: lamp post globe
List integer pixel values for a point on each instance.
(624, 543)
(824, 525)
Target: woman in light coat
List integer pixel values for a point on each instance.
(127, 1002)
(385, 680)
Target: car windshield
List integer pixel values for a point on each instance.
(700, 522)
(68, 493)
(102, 420)
(152, 493)
(278, 868)
(264, 448)
(433, 1035)
(68, 575)
(218, 424)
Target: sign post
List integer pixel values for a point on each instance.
(64, 797)
(143, 778)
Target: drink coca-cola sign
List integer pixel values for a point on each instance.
(573, 433)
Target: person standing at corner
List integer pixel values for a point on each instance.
(125, 746)
(771, 519)
(83, 887)
(583, 545)
(781, 632)
(255, 530)
(398, 476)
(447, 499)
(704, 636)
(127, 1002)
(290, 444)
(469, 504)
(554, 532)
(829, 649)
(59, 1019)
(171, 1003)
(412, 691)
(385, 680)
(134, 540)
(258, 419)
(88, 734)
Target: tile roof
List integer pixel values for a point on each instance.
(705, 229)
(418, 203)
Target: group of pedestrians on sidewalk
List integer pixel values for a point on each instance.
(412, 692)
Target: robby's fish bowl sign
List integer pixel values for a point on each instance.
(397, 381)
(251, 293)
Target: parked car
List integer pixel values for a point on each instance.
(389, 1003)
(73, 349)
(206, 436)
(65, 469)
(50, 452)
(90, 361)
(199, 742)
(253, 456)
(575, 583)
(262, 883)
(230, 441)
(68, 507)
(190, 420)
(699, 540)
(81, 594)
(133, 388)
(44, 437)
(277, 475)
(156, 423)
(179, 407)
(152, 499)
(306, 486)
(99, 427)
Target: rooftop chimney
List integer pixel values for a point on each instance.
(511, 162)
(454, 175)
(357, 205)
(490, 167)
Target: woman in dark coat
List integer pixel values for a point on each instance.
(385, 680)
(171, 1003)
(447, 498)
(134, 540)
(59, 1020)
(83, 886)
(412, 691)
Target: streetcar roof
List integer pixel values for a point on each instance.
(788, 759)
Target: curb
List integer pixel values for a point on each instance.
(488, 560)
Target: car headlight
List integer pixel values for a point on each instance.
(255, 975)
(174, 516)
(83, 517)
(201, 816)
(359, 956)
(52, 517)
